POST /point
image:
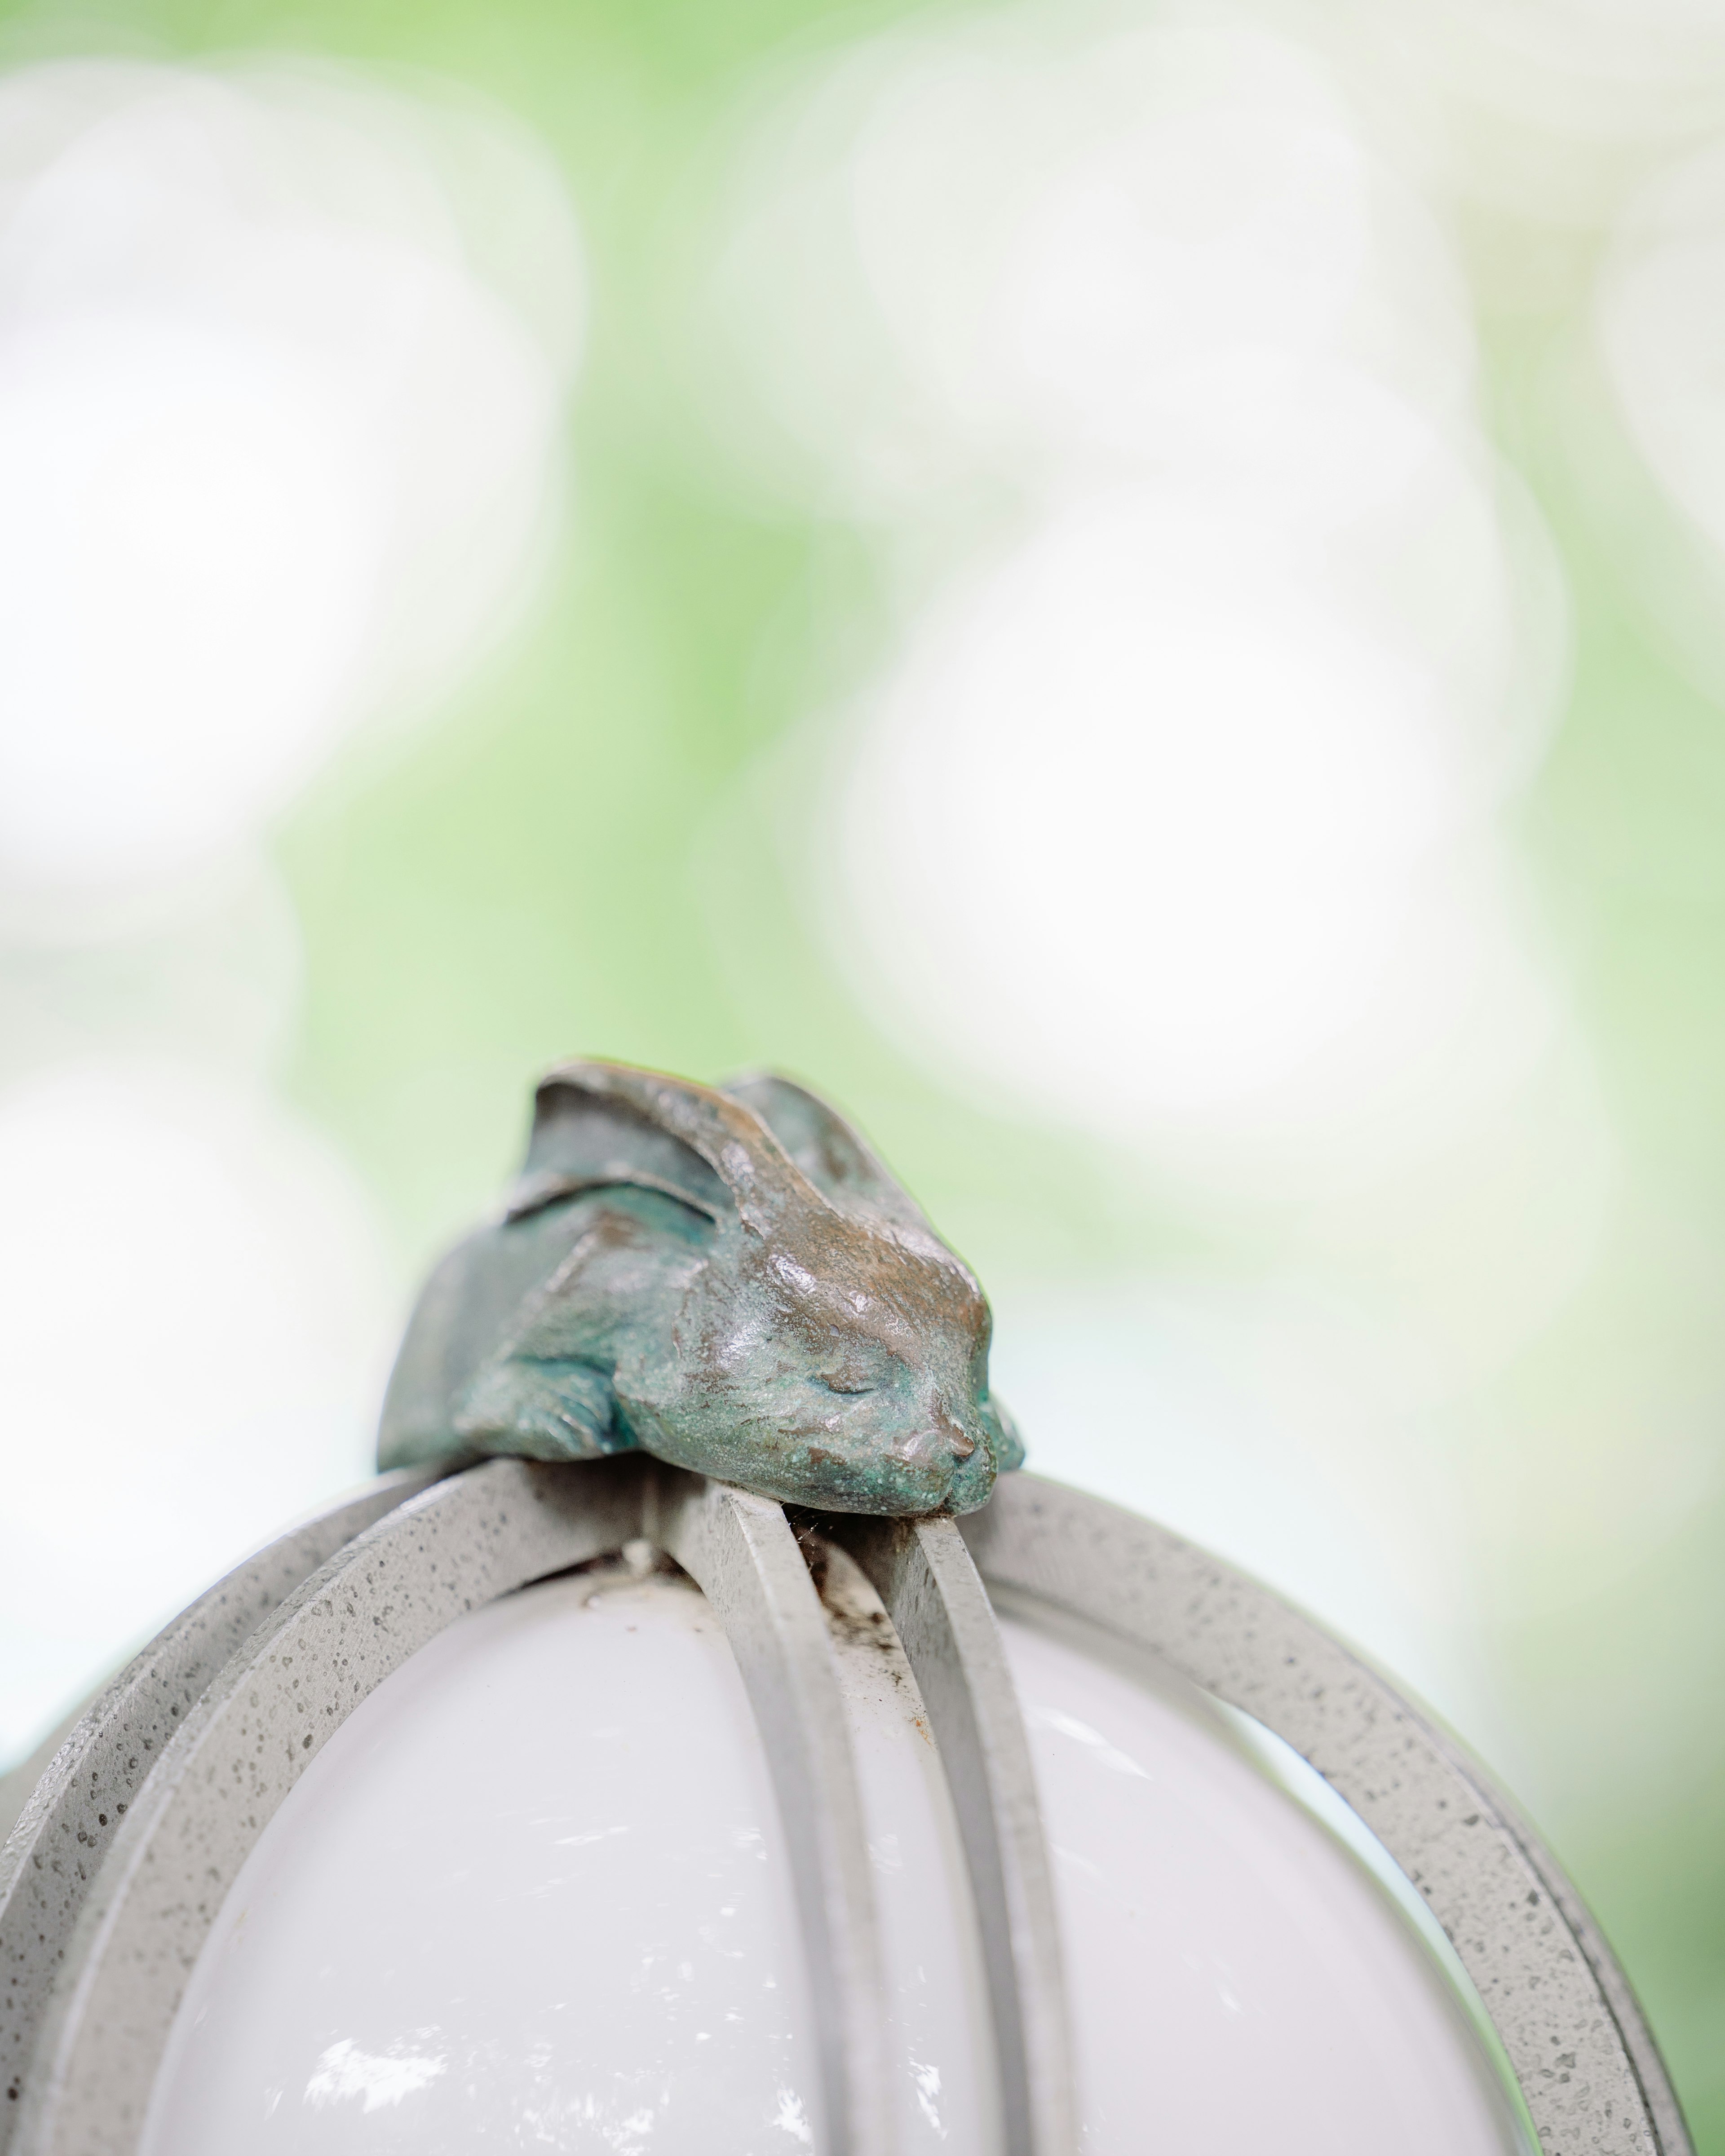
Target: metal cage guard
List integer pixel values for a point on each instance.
(122, 1856)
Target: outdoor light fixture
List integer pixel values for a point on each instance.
(118, 1867)
(269, 1822)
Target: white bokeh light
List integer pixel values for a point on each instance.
(1133, 244)
(1155, 811)
(192, 1298)
(277, 441)
(1661, 324)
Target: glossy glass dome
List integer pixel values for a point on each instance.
(534, 1894)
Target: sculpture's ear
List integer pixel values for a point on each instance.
(598, 1123)
(585, 1140)
(834, 1155)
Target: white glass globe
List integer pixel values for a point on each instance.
(533, 1895)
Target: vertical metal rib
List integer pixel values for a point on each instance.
(75, 1800)
(742, 1554)
(924, 1574)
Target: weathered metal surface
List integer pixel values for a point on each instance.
(729, 1279)
(1586, 2064)
(741, 1552)
(940, 1610)
(79, 1797)
(243, 1746)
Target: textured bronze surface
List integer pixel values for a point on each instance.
(726, 1278)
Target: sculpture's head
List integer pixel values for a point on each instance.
(830, 1350)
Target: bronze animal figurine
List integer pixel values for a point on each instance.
(728, 1278)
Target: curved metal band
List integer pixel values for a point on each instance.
(75, 1800)
(741, 1552)
(267, 1713)
(924, 1575)
(245, 1745)
(1587, 2065)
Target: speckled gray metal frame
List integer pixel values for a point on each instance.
(1581, 2054)
(63, 1822)
(940, 1609)
(741, 1552)
(1586, 2065)
(333, 1640)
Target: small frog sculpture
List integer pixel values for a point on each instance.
(728, 1278)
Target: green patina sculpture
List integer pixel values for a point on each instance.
(726, 1278)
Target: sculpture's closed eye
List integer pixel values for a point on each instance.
(845, 1381)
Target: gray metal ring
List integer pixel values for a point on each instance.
(268, 1712)
(1581, 2051)
(74, 1804)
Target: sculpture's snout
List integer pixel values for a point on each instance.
(942, 1438)
(969, 1457)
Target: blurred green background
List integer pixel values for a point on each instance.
(1133, 592)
